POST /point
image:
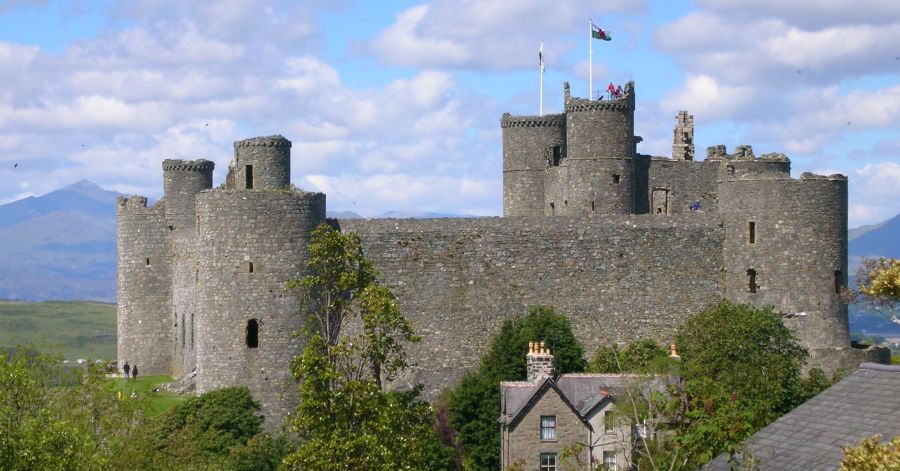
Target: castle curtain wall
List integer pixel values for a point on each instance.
(617, 279)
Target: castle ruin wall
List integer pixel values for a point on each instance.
(144, 325)
(616, 278)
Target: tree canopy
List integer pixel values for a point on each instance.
(475, 403)
(878, 286)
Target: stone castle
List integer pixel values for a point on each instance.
(624, 244)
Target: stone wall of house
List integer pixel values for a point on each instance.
(523, 440)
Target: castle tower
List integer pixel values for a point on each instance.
(144, 325)
(786, 246)
(531, 144)
(261, 163)
(182, 181)
(683, 141)
(249, 244)
(597, 174)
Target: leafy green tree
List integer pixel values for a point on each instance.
(346, 420)
(640, 356)
(872, 455)
(741, 369)
(878, 287)
(53, 417)
(342, 284)
(475, 402)
(204, 432)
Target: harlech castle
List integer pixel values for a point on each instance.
(626, 245)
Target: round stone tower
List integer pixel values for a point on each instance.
(250, 242)
(597, 174)
(786, 246)
(262, 163)
(182, 180)
(531, 144)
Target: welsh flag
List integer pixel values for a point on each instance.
(598, 33)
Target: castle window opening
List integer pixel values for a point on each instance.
(183, 336)
(616, 178)
(751, 232)
(592, 206)
(250, 267)
(252, 333)
(192, 331)
(248, 176)
(557, 156)
(751, 280)
(146, 262)
(565, 202)
(552, 210)
(838, 281)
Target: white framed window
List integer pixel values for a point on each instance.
(548, 427)
(607, 421)
(609, 460)
(548, 461)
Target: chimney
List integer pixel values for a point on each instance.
(540, 362)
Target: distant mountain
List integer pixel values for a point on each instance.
(418, 215)
(61, 245)
(877, 240)
(342, 215)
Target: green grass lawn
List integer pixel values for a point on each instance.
(156, 402)
(77, 329)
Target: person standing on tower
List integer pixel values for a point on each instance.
(612, 90)
(126, 368)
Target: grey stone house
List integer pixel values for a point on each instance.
(547, 422)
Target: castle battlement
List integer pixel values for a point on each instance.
(276, 140)
(624, 244)
(201, 165)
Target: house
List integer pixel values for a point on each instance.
(547, 422)
(865, 403)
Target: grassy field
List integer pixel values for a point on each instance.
(77, 329)
(142, 387)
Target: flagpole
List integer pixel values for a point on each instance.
(541, 109)
(590, 59)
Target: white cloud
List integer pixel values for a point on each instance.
(875, 190)
(704, 95)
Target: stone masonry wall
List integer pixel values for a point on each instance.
(524, 444)
(617, 279)
(144, 286)
(686, 181)
(270, 230)
(528, 143)
(798, 252)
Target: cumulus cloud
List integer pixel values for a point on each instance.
(484, 34)
(875, 190)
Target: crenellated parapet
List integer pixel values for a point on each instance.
(200, 165)
(276, 140)
(132, 204)
(550, 120)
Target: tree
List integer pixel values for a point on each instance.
(640, 356)
(871, 455)
(878, 286)
(475, 402)
(741, 369)
(52, 417)
(342, 284)
(215, 430)
(346, 420)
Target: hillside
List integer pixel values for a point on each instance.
(76, 329)
(882, 239)
(60, 245)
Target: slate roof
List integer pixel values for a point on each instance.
(811, 436)
(582, 391)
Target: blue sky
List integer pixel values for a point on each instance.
(396, 105)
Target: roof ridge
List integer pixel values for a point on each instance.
(880, 367)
